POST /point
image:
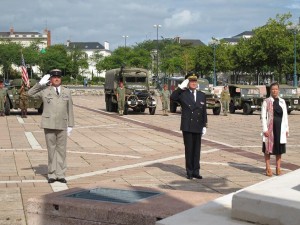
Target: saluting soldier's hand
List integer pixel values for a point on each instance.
(203, 131)
(184, 84)
(69, 130)
(45, 79)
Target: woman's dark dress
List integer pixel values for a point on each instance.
(278, 148)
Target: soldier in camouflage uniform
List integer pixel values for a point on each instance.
(225, 99)
(165, 97)
(3, 93)
(23, 100)
(121, 98)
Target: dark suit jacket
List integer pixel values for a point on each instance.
(193, 115)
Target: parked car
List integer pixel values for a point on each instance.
(290, 95)
(244, 97)
(13, 97)
(138, 96)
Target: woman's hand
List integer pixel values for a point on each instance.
(266, 134)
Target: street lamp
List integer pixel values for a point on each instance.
(295, 28)
(214, 43)
(125, 38)
(157, 26)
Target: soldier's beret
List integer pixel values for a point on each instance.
(56, 72)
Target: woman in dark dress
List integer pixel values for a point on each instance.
(275, 128)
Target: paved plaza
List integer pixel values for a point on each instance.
(133, 150)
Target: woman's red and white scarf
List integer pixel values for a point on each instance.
(270, 139)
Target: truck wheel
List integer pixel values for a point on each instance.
(217, 110)
(246, 108)
(142, 109)
(106, 105)
(7, 108)
(152, 110)
(125, 112)
(231, 107)
(40, 110)
(110, 106)
(173, 107)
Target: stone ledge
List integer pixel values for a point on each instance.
(275, 201)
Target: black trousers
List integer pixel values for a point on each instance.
(192, 144)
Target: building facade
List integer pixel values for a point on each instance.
(43, 40)
(91, 49)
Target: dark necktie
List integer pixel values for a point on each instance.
(193, 93)
(57, 91)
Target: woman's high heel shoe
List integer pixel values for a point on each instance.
(278, 171)
(269, 172)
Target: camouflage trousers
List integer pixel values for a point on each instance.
(121, 104)
(165, 105)
(23, 104)
(225, 105)
(2, 106)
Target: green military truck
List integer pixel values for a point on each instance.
(290, 95)
(244, 97)
(212, 100)
(13, 97)
(138, 96)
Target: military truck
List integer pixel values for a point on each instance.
(290, 95)
(245, 97)
(212, 100)
(13, 97)
(138, 96)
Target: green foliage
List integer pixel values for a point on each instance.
(270, 50)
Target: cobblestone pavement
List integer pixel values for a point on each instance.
(136, 150)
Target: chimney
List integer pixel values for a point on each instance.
(48, 38)
(11, 30)
(106, 45)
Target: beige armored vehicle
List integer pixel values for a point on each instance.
(136, 83)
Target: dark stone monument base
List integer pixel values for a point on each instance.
(61, 209)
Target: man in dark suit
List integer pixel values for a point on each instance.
(193, 122)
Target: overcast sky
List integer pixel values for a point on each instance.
(109, 20)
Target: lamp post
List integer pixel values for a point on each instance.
(214, 43)
(295, 28)
(157, 26)
(125, 38)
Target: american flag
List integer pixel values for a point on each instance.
(24, 72)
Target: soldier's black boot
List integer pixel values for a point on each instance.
(22, 113)
(25, 113)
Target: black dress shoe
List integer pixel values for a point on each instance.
(61, 180)
(197, 176)
(189, 177)
(51, 180)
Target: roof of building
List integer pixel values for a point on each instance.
(245, 33)
(85, 45)
(194, 42)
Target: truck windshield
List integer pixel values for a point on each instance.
(135, 79)
(249, 91)
(288, 91)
